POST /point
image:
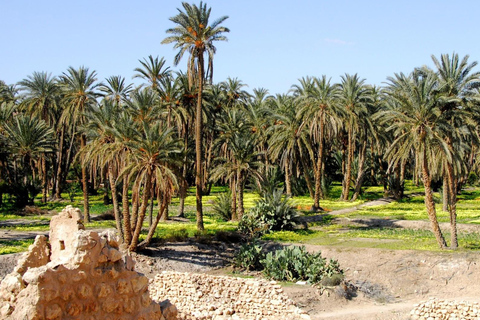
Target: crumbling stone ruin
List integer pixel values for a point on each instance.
(78, 274)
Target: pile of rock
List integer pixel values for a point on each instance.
(77, 274)
(202, 297)
(435, 309)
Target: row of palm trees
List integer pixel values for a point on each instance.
(176, 130)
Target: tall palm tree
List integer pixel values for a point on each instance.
(194, 35)
(28, 139)
(320, 112)
(289, 142)
(79, 89)
(353, 99)
(154, 151)
(416, 122)
(41, 96)
(457, 85)
(103, 149)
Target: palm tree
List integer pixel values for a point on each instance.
(41, 98)
(194, 35)
(154, 151)
(28, 139)
(243, 162)
(152, 71)
(416, 122)
(289, 142)
(457, 85)
(79, 89)
(116, 89)
(353, 99)
(103, 149)
(320, 112)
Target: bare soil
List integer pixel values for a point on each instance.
(382, 284)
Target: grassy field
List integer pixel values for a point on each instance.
(325, 232)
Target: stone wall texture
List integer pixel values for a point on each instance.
(78, 274)
(202, 297)
(437, 309)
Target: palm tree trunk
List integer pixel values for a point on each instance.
(44, 178)
(445, 191)
(288, 177)
(143, 209)
(86, 208)
(233, 188)
(241, 209)
(198, 145)
(151, 231)
(116, 209)
(135, 197)
(183, 183)
(58, 191)
(127, 227)
(318, 169)
(361, 172)
(430, 204)
(452, 190)
(348, 168)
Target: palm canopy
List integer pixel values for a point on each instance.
(415, 118)
(194, 35)
(79, 89)
(152, 70)
(40, 96)
(29, 137)
(116, 89)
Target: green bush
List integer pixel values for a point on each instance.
(249, 256)
(222, 206)
(271, 213)
(295, 263)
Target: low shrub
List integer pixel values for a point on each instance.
(249, 256)
(271, 213)
(222, 206)
(295, 263)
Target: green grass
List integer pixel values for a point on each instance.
(325, 232)
(14, 246)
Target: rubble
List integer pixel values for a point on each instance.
(436, 309)
(204, 297)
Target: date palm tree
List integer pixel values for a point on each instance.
(79, 90)
(457, 84)
(353, 98)
(289, 141)
(103, 149)
(116, 89)
(152, 71)
(320, 112)
(416, 122)
(28, 139)
(194, 35)
(41, 97)
(154, 152)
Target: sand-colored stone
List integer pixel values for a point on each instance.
(80, 275)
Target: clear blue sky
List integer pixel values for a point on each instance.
(271, 44)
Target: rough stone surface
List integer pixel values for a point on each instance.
(78, 275)
(202, 297)
(443, 309)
